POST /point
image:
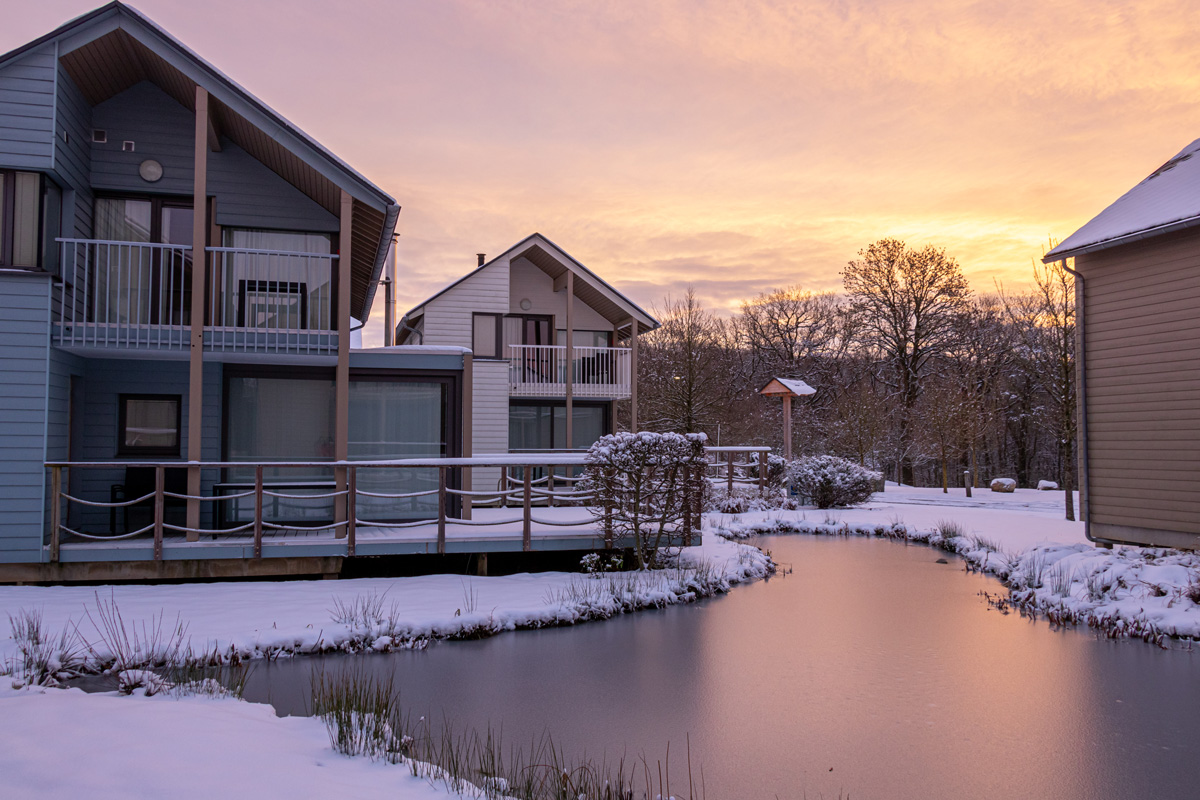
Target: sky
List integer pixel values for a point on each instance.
(734, 146)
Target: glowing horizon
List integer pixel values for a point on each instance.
(734, 147)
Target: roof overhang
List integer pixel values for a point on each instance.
(786, 387)
(115, 47)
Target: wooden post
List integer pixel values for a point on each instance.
(787, 427)
(465, 475)
(441, 520)
(570, 352)
(351, 509)
(550, 486)
(633, 371)
(526, 511)
(341, 433)
(196, 343)
(159, 505)
(762, 473)
(729, 471)
(258, 510)
(55, 511)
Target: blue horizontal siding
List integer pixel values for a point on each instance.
(24, 350)
(27, 107)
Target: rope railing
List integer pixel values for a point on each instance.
(231, 516)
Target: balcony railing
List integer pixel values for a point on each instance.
(138, 295)
(541, 371)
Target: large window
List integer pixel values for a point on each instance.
(27, 200)
(276, 280)
(279, 418)
(149, 425)
(486, 335)
(140, 285)
(543, 426)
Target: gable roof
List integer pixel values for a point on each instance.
(792, 387)
(1167, 200)
(114, 47)
(554, 261)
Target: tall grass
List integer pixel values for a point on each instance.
(42, 658)
(363, 717)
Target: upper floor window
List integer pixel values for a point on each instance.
(30, 207)
(486, 337)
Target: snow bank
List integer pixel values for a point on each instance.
(226, 622)
(193, 747)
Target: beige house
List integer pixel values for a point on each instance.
(1138, 293)
(554, 349)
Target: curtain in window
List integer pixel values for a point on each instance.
(271, 291)
(122, 274)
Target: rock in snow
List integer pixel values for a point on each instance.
(1006, 485)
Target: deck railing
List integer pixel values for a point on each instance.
(270, 300)
(541, 371)
(348, 505)
(743, 465)
(124, 294)
(139, 295)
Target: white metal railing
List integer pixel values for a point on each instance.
(541, 371)
(139, 295)
(124, 294)
(270, 300)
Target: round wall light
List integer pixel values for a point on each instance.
(526, 304)
(150, 170)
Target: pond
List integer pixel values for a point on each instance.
(869, 671)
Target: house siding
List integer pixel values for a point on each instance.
(24, 317)
(448, 317)
(105, 381)
(1142, 332)
(247, 193)
(27, 111)
(489, 419)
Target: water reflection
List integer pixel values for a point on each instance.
(870, 670)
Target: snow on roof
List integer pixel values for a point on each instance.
(793, 385)
(1167, 200)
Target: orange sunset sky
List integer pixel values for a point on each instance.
(731, 146)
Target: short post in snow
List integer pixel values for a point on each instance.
(967, 481)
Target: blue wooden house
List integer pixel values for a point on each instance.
(180, 270)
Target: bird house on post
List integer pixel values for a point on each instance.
(787, 388)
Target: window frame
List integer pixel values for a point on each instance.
(136, 451)
(499, 325)
(605, 405)
(8, 210)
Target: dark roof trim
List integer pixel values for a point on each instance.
(1116, 241)
(367, 191)
(385, 242)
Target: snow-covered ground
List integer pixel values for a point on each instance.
(56, 743)
(252, 619)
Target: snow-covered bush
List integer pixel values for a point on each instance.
(648, 487)
(831, 481)
(776, 468)
(744, 499)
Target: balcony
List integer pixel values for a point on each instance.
(596, 372)
(138, 296)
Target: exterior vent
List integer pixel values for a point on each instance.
(99, 136)
(66, 136)
(127, 146)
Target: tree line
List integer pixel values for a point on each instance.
(917, 375)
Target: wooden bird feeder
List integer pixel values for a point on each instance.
(787, 388)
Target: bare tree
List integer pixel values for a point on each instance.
(681, 368)
(1045, 321)
(906, 303)
(785, 330)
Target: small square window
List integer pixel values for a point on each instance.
(149, 425)
(99, 136)
(127, 146)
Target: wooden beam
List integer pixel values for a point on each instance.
(570, 351)
(633, 372)
(787, 427)
(196, 345)
(214, 138)
(341, 434)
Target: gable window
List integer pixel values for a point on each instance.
(26, 201)
(149, 425)
(486, 337)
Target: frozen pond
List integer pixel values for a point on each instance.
(871, 671)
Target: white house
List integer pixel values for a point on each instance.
(555, 349)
